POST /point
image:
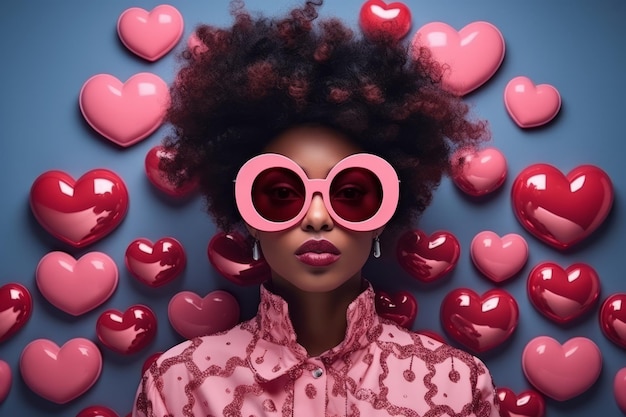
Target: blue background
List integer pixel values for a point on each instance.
(51, 48)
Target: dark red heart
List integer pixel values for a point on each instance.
(380, 19)
(613, 318)
(527, 404)
(231, 255)
(159, 179)
(16, 307)
(399, 307)
(97, 411)
(155, 264)
(427, 258)
(129, 332)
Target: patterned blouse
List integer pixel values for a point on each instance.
(258, 369)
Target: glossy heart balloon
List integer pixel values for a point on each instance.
(129, 332)
(427, 258)
(192, 316)
(471, 55)
(16, 307)
(561, 372)
(60, 277)
(159, 179)
(613, 318)
(619, 389)
(479, 172)
(479, 323)
(561, 210)
(6, 379)
(400, 307)
(560, 294)
(79, 212)
(231, 255)
(155, 264)
(499, 258)
(152, 34)
(60, 374)
(97, 411)
(527, 404)
(378, 18)
(124, 113)
(531, 105)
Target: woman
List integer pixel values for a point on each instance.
(326, 140)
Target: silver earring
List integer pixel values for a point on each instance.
(376, 247)
(256, 253)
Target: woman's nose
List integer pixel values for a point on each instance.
(317, 217)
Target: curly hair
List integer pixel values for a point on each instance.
(244, 85)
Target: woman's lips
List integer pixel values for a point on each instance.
(317, 253)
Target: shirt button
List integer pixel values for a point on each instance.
(317, 372)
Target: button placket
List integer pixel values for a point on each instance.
(310, 390)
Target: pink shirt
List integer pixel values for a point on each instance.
(258, 369)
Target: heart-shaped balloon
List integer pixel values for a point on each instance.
(129, 332)
(155, 264)
(527, 404)
(561, 372)
(192, 316)
(6, 379)
(60, 277)
(478, 172)
(97, 411)
(561, 210)
(378, 18)
(231, 255)
(60, 374)
(478, 322)
(400, 307)
(471, 55)
(427, 258)
(124, 113)
(152, 34)
(530, 105)
(499, 258)
(613, 318)
(619, 389)
(560, 294)
(16, 307)
(79, 212)
(159, 179)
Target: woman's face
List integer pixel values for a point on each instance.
(343, 252)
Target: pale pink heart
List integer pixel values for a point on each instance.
(60, 278)
(124, 113)
(60, 374)
(152, 34)
(619, 389)
(531, 105)
(479, 172)
(470, 56)
(6, 378)
(192, 316)
(562, 372)
(499, 258)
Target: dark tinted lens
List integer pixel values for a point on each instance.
(278, 194)
(356, 194)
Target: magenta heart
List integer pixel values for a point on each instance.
(613, 318)
(527, 404)
(619, 389)
(16, 307)
(561, 210)
(563, 295)
(124, 113)
(155, 264)
(79, 212)
(562, 372)
(60, 374)
(400, 307)
(479, 172)
(97, 411)
(152, 34)
(427, 258)
(60, 277)
(6, 379)
(499, 258)
(530, 105)
(159, 179)
(231, 255)
(192, 316)
(129, 332)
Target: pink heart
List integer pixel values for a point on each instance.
(192, 316)
(153, 34)
(124, 113)
(619, 389)
(499, 258)
(479, 172)
(60, 277)
(6, 379)
(561, 372)
(470, 56)
(60, 374)
(155, 264)
(531, 105)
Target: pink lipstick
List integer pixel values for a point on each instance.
(317, 253)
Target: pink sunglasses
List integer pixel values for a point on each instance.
(273, 193)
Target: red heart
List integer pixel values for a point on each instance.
(400, 307)
(613, 318)
(159, 179)
(192, 316)
(97, 411)
(563, 295)
(561, 210)
(527, 404)
(79, 212)
(378, 19)
(155, 265)
(129, 332)
(479, 323)
(16, 307)
(427, 258)
(231, 255)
